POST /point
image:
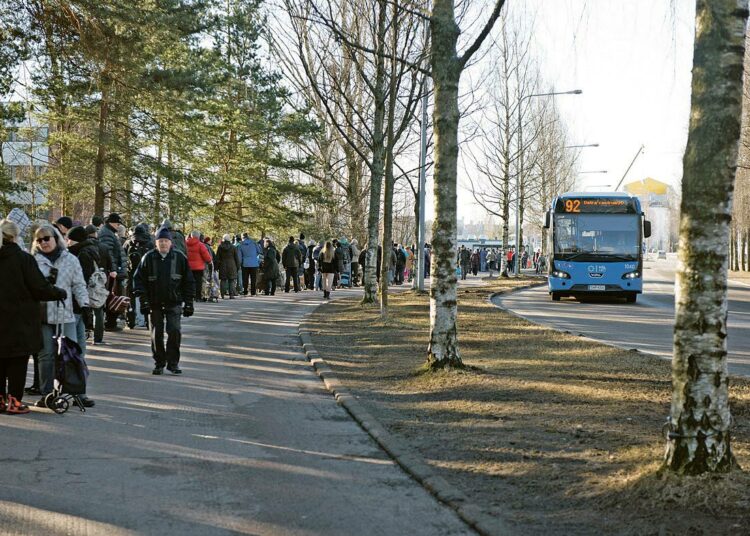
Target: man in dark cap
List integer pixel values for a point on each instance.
(63, 224)
(97, 221)
(178, 238)
(109, 239)
(163, 282)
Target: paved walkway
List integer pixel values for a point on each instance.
(247, 441)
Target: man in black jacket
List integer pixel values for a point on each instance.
(163, 282)
(292, 259)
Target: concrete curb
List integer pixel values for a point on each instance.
(410, 461)
(568, 332)
(491, 297)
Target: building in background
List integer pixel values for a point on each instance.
(661, 204)
(25, 152)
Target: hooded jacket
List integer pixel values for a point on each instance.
(249, 251)
(227, 260)
(137, 246)
(87, 254)
(70, 279)
(197, 254)
(109, 239)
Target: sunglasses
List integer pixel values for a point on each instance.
(43, 239)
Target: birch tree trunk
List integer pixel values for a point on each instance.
(446, 68)
(446, 72)
(699, 423)
(378, 163)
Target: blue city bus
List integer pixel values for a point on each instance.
(596, 245)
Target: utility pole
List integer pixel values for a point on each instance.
(422, 180)
(519, 178)
(640, 150)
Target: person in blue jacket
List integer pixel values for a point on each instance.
(249, 252)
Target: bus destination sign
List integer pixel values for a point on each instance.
(595, 205)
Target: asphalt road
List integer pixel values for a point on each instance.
(247, 441)
(646, 325)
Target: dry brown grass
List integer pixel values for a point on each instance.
(550, 431)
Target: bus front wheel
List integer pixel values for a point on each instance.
(555, 296)
(631, 298)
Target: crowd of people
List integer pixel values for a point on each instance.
(494, 259)
(79, 281)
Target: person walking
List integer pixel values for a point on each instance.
(22, 287)
(291, 258)
(165, 286)
(354, 246)
(63, 270)
(491, 258)
(328, 267)
(310, 270)
(198, 256)
(475, 262)
(249, 251)
(464, 260)
(110, 240)
(227, 263)
(271, 260)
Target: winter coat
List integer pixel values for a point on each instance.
(104, 257)
(464, 257)
(249, 251)
(137, 246)
(178, 241)
(197, 254)
(355, 250)
(70, 279)
(291, 256)
(154, 280)
(87, 254)
(339, 259)
(328, 267)
(227, 261)
(22, 287)
(109, 239)
(271, 259)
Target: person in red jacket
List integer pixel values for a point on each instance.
(197, 256)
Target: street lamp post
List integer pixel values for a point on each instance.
(516, 264)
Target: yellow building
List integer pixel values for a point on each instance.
(660, 202)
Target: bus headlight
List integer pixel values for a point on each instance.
(632, 275)
(560, 275)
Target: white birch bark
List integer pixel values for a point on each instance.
(700, 420)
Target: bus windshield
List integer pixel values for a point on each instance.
(581, 236)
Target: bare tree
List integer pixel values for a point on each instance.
(700, 419)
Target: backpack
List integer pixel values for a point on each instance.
(97, 287)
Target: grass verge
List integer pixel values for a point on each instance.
(549, 431)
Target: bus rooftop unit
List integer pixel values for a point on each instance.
(596, 245)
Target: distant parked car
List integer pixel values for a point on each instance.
(661, 254)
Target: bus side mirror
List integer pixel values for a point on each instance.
(646, 228)
(546, 220)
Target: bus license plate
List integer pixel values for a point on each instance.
(597, 287)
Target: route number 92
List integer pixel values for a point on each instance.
(573, 205)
